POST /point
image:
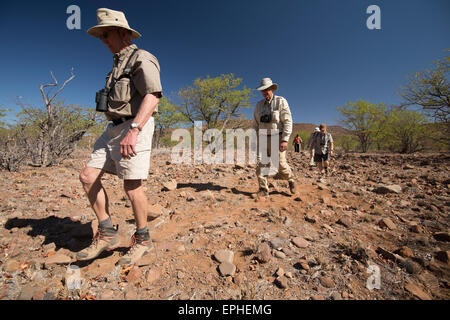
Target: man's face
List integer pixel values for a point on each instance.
(323, 129)
(112, 39)
(267, 93)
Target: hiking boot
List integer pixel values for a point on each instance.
(104, 240)
(262, 193)
(140, 245)
(293, 187)
(278, 176)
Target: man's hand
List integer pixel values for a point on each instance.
(283, 146)
(128, 144)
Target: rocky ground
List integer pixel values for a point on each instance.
(213, 240)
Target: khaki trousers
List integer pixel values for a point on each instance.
(311, 163)
(262, 170)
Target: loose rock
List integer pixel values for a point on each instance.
(417, 292)
(153, 275)
(281, 282)
(224, 256)
(345, 221)
(387, 223)
(300, 242)
(26, 293)
(170, 185)
(405, 252)
(57, 258)
(264, 255)
(227, 269)
(327, 282)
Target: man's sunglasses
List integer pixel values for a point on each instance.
(105, 34)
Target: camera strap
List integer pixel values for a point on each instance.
(127, 71)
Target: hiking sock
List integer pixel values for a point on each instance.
(143, 233)
(106, 224)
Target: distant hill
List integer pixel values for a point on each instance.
(336, 131)
(309, 127)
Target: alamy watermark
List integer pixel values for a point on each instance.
(374, 281)
(73, 278)
(73, 22)
(260, 146)
(374, 21)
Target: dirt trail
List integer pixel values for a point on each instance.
(387, 211)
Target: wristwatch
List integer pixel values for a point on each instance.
(134, 125)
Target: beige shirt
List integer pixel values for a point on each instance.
(126, 94)
(321, 141)
(281, 116)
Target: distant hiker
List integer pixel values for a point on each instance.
(273, 114)
(297, 143)
(131, 95)
(323, 147)
(311, 137)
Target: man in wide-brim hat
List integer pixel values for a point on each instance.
(133, 90)
(274, 115)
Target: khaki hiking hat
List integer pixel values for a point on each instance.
(267, 83)
(111, 18)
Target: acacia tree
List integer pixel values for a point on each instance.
(365, 120)
(430, 89)
(214, 100)
(405, 130)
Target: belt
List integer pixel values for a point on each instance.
(121, 120)
(276, 134)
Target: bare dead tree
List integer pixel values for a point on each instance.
(48, 135)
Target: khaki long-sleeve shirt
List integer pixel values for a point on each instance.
(281, 116)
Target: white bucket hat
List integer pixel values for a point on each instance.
(267, 83)
(111, 18)
(316, 129)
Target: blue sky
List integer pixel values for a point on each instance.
(319, 52)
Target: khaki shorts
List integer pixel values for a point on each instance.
(106, 154)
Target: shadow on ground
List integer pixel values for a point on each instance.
(245, 193)
(201, 186)
(63, 232)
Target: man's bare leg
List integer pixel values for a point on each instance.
(92, 185)
(141, 242)
(320, 166)
(106, 237)
(326, 163)
(136, 194)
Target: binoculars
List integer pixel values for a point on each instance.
(267, 118)
(101, 99)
